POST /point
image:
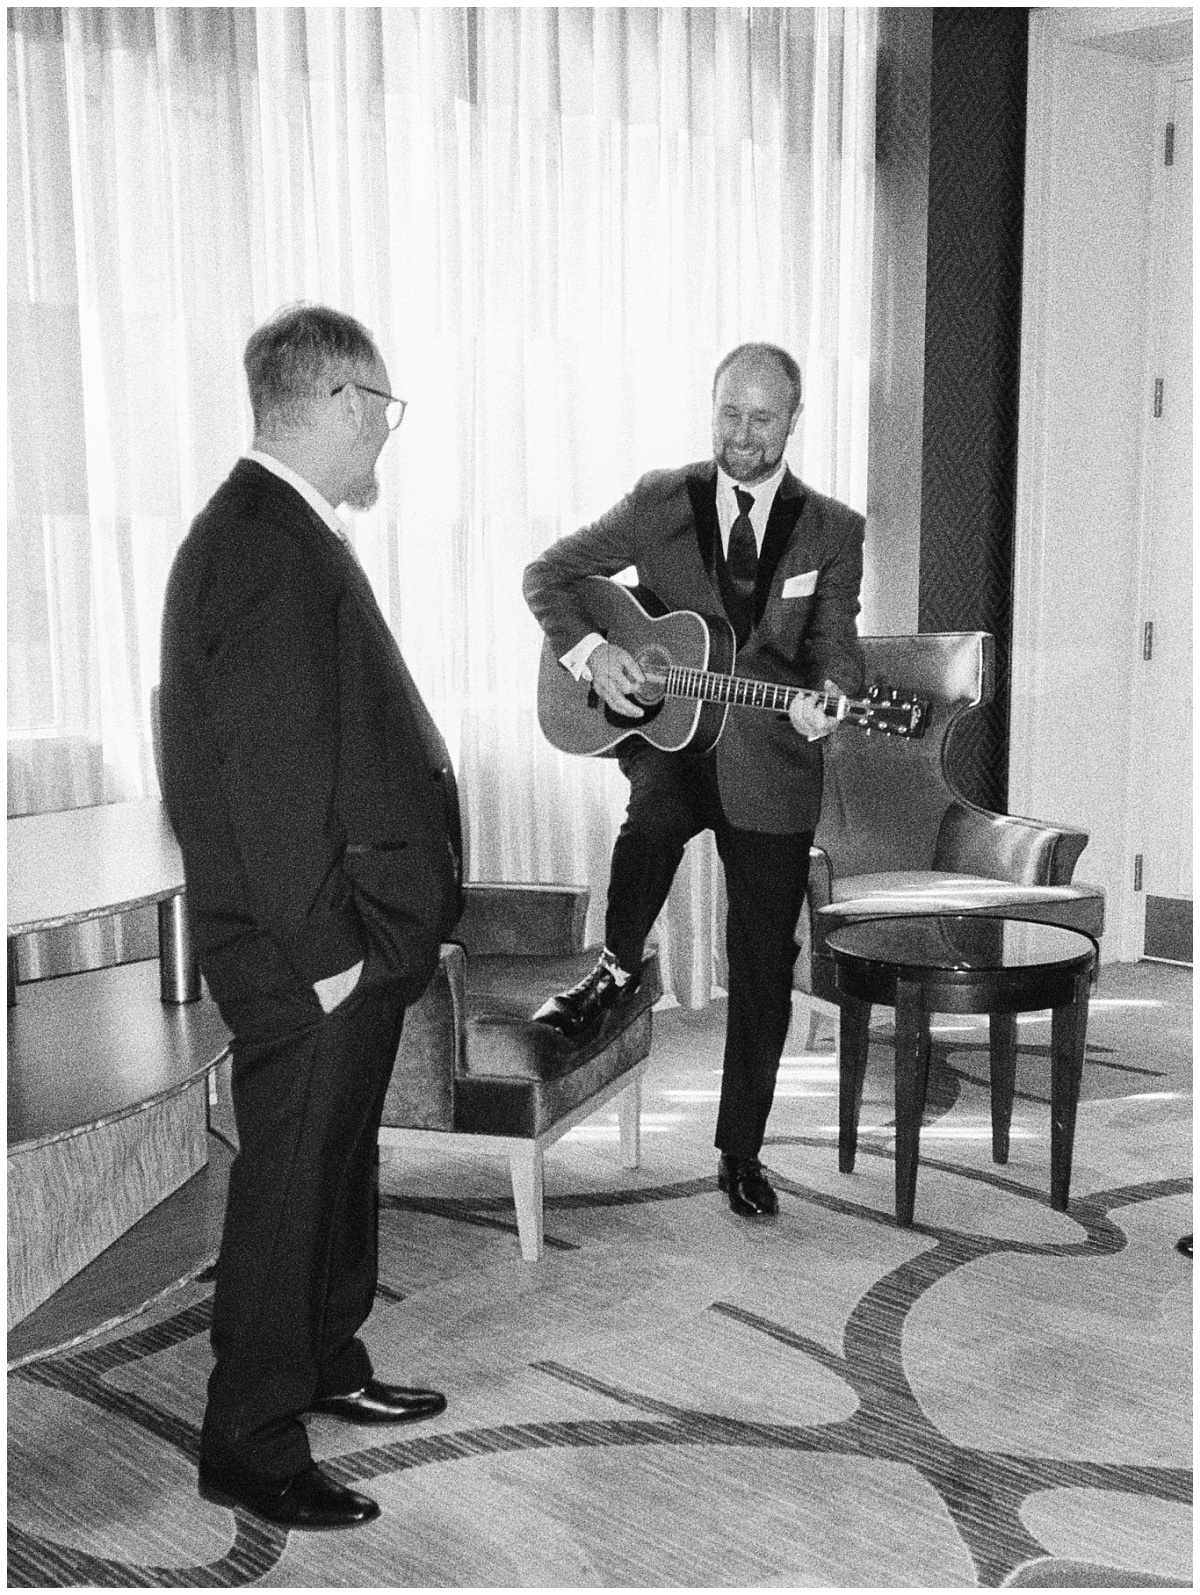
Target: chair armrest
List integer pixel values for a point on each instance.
(432, 1050)
(820, 880)
(819, 893)
(1007, 847)
(513, 920)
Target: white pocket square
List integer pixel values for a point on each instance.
(802, 586)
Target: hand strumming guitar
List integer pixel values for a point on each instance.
(615, 673)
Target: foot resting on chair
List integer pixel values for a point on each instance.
(578, 1012)
(744, 1181)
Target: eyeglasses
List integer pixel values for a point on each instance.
(394, 410)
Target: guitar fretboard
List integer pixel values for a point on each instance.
(714, 688)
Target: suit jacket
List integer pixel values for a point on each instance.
(310, 790)
(769, 777)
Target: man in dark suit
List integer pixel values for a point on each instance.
(740, 536)
(317, 814)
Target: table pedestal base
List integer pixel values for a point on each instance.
(107, 1116)
(70, 1197)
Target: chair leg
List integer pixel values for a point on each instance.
(1068, 1039)
(912, 1076)
(853, 1038)
(810, 1012)
(629, 1115)
(525, 1167)
(1002, 1047)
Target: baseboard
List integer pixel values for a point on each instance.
(1169, 930)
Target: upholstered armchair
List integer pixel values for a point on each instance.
(474, 1073)
(895, 836)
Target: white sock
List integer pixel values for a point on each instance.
(620, 976)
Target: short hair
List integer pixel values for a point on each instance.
(293, 358)
(768, 351)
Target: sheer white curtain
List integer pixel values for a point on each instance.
(555, 221)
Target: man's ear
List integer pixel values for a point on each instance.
(795, 418)
(353, 409)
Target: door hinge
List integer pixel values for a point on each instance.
(1148, 640)
(1158, 398)
(1169, 145)
(1137, 872)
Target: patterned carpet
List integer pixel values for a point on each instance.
(674, 1397)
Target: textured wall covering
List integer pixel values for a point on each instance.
(972, 340)
(893, 563)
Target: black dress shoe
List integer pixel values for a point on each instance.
(380, 1403)
(578, 1012)
(308, 1500)
(745, 1183)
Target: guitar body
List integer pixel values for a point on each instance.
(687, 660)
(575, 720)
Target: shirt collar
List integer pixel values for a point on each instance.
(760, 511)
(305, 489)
(764, 492)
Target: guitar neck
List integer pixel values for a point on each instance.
(741, 690)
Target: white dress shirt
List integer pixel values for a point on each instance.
(760, 511)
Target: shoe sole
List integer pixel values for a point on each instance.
(376, 1423)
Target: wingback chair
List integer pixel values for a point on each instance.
(895, 836)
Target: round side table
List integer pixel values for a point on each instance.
(960, 963)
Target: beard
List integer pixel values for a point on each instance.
(763, 464)
(364, 495)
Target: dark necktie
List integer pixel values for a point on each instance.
(741, 562)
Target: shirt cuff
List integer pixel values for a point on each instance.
(333, 990)
(575, 660)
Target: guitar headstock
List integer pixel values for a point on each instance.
(890, 711)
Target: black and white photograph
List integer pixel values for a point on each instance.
(599, 847)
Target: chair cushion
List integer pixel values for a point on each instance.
(502, 1041)
(494, 1106)
(1078, 906)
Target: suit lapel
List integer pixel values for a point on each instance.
(702, 490)
(785, 512)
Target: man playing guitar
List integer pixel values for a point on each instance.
(738, 536)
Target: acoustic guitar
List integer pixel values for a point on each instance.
(687, 660)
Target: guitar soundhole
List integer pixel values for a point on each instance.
(654, 663)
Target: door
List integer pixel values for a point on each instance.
(1167, 798)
